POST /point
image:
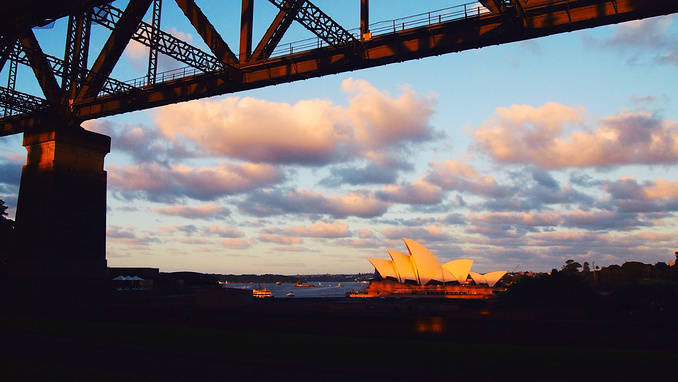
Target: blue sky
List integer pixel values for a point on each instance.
(518, 156)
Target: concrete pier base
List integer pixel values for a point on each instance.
(61, 209)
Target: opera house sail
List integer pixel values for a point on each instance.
(420, 274)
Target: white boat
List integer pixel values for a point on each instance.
(289, 294)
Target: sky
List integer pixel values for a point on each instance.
(518, 156)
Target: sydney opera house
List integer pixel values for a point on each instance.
(420, 274)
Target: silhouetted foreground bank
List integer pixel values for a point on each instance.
(636, 290)
(171, 338)
(612, 325)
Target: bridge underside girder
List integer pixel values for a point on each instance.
(454, 36)
(542, 18)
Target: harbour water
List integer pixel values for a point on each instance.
(321, 289)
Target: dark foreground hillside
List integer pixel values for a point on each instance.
(171, 339)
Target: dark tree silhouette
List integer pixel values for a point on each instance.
(6, 233)
(587, 268)
(3, 210)
(571, 267)
(6, 225)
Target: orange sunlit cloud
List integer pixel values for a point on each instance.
(660, 188)
(312, 131)
(554, 136)
(455, 175)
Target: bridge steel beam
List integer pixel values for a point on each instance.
(41, 68)
(364, 18)
(276, 30)
(246, 21)
(153, 50)
(7, 43)
(115, 45)
(108, 16)
(76, 53)
(319, 23)
(13, 100)
(454, 36)
(111, 86)
(208, 33)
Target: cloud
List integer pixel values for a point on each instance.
(660, 188)
(629, 196)
(236, 243)
(372, 173)
(183, 36)
(454, 175)
(143, 143)
(604, 220)
(454, 219)
(159, 183)
(127, 236)
(194, 241)
(229, 232)
(580, 178)
(646, 33)
(365, 233)
(137, 53)
(417, 192)
(211, 230)
(10, 176)
(544, 179)
(546, 218)
(10, 173)
(279, 239)
(536, 189)
(648, 99)
(552, 136)
(652, 37)
(363, 243)
(523, 222)
(310, 132)
(668, 57)
(551, 249)
(430, 233)
(194, 212)
(269, 202)
(320, 230)
(115, 232)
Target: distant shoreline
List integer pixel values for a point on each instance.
(272, 278)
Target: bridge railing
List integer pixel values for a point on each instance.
(168, 75)
(457, 12)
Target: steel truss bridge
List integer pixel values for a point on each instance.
(75, 91)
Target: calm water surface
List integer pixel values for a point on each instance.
(322, 289)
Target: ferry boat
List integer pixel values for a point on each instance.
(261, 293)
(299, 284)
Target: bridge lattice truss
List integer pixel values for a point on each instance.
(88, 91)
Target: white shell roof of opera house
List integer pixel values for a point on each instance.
(421, 266)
